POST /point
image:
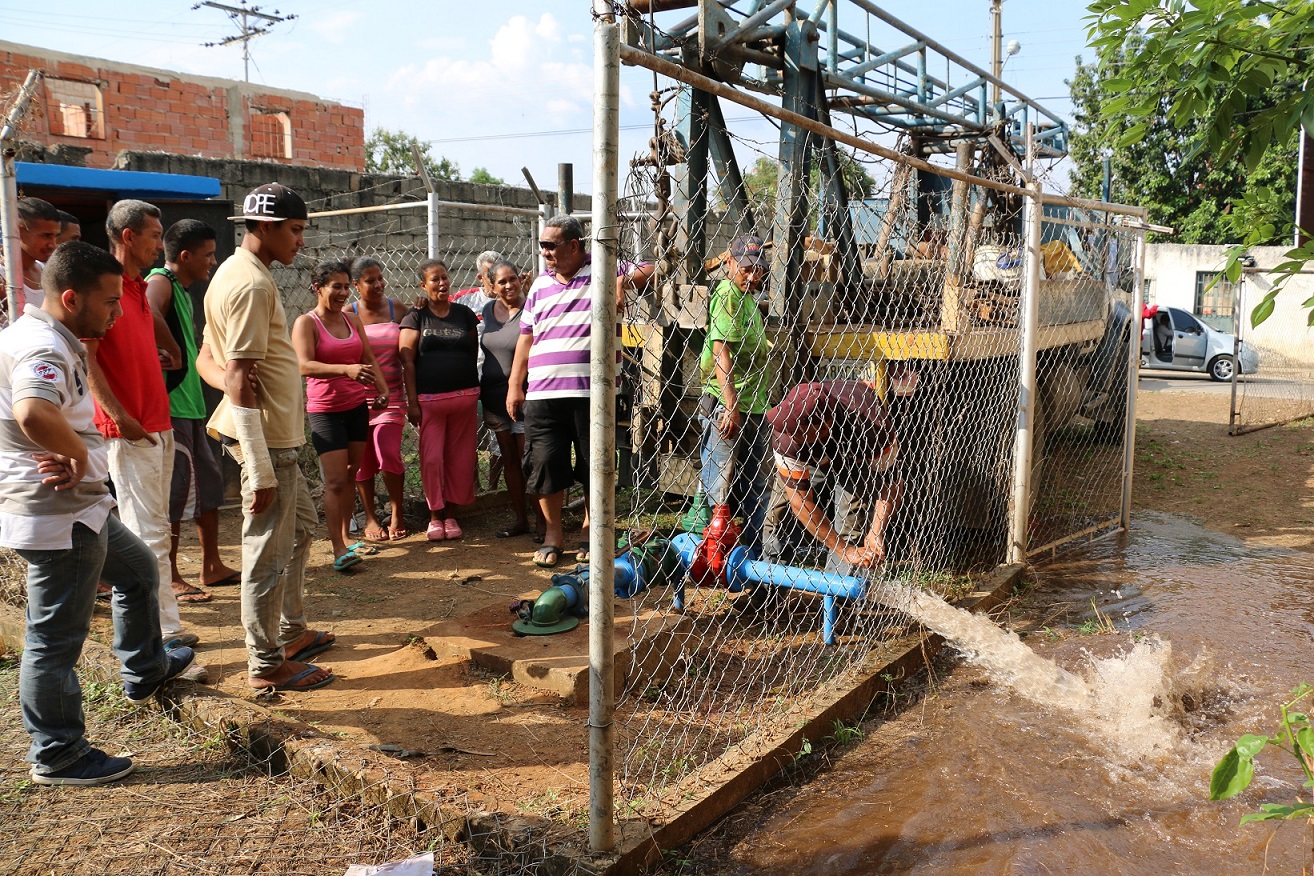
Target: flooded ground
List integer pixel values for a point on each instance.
(971, 778)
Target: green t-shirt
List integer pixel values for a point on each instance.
(185, 400)
(733, 318)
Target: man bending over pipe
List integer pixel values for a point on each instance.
(841, 430)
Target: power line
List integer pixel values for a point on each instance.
(523, 134)
(249, 31)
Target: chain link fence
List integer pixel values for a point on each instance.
(398, 237)
(1279, 352)
(898, 294)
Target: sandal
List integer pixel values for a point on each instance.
(188, 593)
(547, 556)
(320, 642)
(452, 528)
(514, 530)
(345, 562)
(296, 682)
(377, 533)
(582, 553)
(361, 549)
(398, 534)
(436, 531)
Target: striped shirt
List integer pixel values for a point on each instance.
(557, 315)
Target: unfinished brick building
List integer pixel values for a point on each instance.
(94, 109)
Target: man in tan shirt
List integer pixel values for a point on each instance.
(260, 423)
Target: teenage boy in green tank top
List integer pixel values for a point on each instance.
(197, 490)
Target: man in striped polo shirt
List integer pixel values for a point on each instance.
(553, 354)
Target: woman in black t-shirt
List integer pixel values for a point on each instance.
(439, 348)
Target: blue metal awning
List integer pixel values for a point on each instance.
(117, 183)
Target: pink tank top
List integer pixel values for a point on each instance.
(325, 395)
(384, 338)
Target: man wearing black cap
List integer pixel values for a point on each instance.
(840, 429)
(261, 424)
(738, 377)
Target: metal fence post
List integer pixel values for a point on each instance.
(602, 435)
(1133, 377)
(1018, 533)
(9, 195)
(433, 225)
(1238, 296)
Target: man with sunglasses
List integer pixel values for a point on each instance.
(738, 376)
(552, 355)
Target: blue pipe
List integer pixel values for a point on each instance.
(686, 545)
(742, 569)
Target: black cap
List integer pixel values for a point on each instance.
(272, 202)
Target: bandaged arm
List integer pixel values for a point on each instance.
(255, 452)
(247, 424)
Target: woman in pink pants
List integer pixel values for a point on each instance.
(439, 348)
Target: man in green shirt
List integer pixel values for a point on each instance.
(197, 489)
(738, 377)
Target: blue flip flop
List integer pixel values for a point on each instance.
(363, 549)
(318, 645)
(345, 562)
(291, 683)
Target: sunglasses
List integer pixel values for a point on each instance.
(550, 245)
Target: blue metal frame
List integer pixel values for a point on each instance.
(893, 87)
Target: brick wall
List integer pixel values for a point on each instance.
(141, 109)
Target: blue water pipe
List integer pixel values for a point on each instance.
(741, 569)
(637, 569)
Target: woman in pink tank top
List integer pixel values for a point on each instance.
(379, 315)
(343, 381)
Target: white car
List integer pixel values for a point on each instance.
(1175, 340)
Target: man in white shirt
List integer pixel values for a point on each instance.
(55, 512)
(38, 230)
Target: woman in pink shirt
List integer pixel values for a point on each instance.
(340, 371)
(380, 316)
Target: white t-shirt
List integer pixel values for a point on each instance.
(34, 297)
(40, 358)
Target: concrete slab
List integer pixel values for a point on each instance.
(558, 663)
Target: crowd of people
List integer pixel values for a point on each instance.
(104, 433)
(102, 405)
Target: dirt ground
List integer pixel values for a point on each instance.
(462, 727)
(516, 748)
(1258, 486)
(507, 744)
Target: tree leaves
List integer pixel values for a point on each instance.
(390, 152)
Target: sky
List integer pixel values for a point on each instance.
(498, 84)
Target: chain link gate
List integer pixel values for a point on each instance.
(1279, 350)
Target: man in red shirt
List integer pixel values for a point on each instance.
(132, 405)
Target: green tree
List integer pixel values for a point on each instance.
(1234, 68)
(390, 152)
(483, 177)
(761, 179)
(1186, 187)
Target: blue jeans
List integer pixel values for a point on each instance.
(61, 592)
(735, 472)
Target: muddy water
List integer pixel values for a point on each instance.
(974, 779)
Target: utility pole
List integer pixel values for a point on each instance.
(996, 48)
(241, 16)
